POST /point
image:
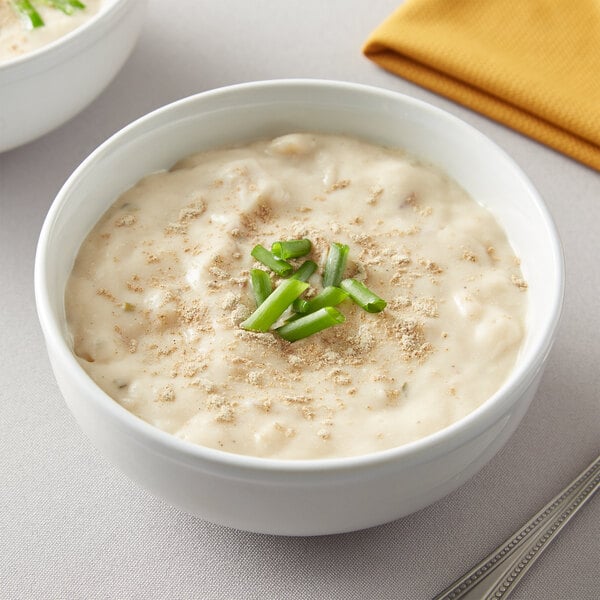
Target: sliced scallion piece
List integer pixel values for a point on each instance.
(305, 270)
(274, 306)
(335, 264)
(300, 305)
(330, 296)
(310, 324)
(363, 296)
(66, 6)
(281, 267)
(261, 285)
(291, 248)
(27, 10)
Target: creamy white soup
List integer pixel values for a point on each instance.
(18, 36)
(161, 285)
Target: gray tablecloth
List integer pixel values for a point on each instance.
(71, 526)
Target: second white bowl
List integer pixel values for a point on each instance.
(43, 89)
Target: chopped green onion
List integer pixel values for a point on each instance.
(300, 305)
(26, 9)
(335, 264)
(291, 248)
(363, 296)
(281, 267)
(330, 296)
(275, 305)
(261, 285)
(310, 316)
(310, 324)
(66, 6)
(305, 270)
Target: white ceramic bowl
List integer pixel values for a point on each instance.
(45, 88)
(300, 497)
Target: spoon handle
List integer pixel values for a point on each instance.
(497, 574)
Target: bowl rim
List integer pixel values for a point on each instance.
(107, 10)
(416, 452)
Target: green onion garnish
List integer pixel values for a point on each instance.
(261, 285)
(26, 10)
(300, 305)
(330, 296)
(335, 264)
(281, 267)
(310, 316)
(310, 324)
(305, 270)
(291, 248)
(66, 6)
(275, 305)
(363, 296)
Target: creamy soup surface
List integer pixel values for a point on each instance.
(161, 285)
(17, 37)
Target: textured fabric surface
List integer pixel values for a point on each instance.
(534, 65)
(74, 528)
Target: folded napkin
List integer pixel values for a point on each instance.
(533, 65)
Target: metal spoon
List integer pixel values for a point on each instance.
(495, 576)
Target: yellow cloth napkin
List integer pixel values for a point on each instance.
(533, 65)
